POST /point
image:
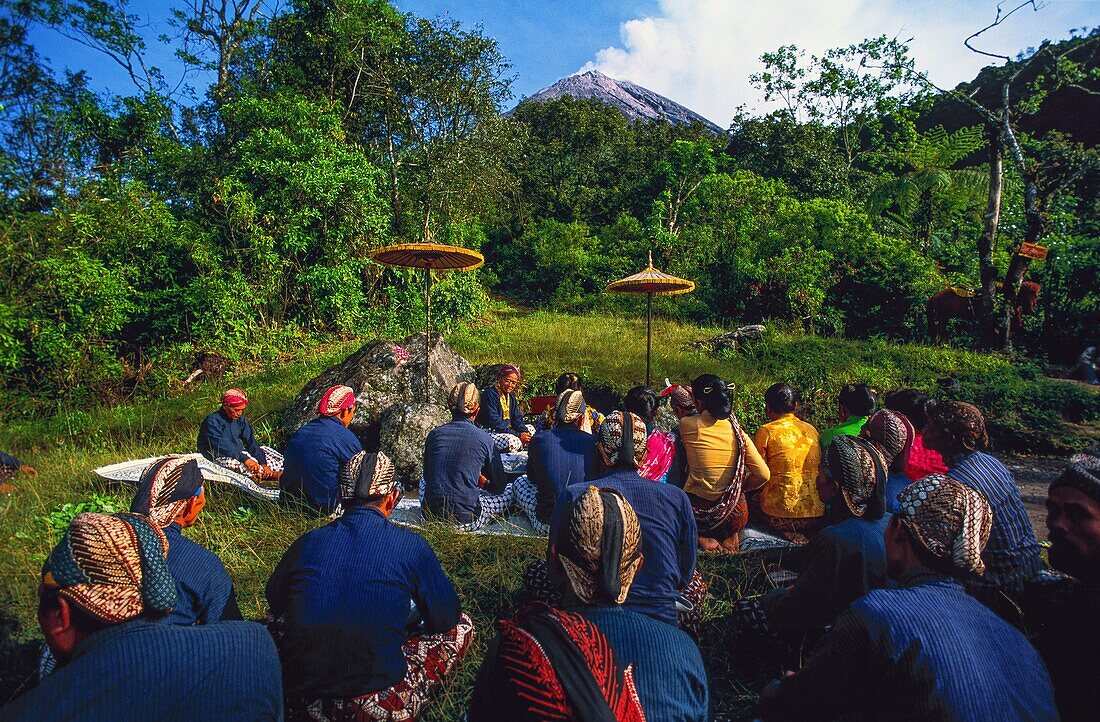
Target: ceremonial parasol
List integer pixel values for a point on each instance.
(652, 283)
(430, 257)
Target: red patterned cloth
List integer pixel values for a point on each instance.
(660, 448)
(923, 461)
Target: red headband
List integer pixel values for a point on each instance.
(234, 397)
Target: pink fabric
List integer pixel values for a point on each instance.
(923, 461)
(660, 448)
(335, 400)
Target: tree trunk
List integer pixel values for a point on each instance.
(983, 306)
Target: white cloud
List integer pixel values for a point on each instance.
(701, 53)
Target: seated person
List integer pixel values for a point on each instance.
(922, 461)
(500, 415)
(893, 435)
(643, 402)
(170, 493)
(458, 462)
(1068, 626)
(789, 504)
(9, 467)
(1012, 556)
(226, 438)
(855, 403)
(367, 623)
(590, 422)
(841, 563)
(317, 450)
(926, 650)
(556, 458)
(682, 404)
(1085, 370)
(668, 526)
(624, 656)
(104, 591)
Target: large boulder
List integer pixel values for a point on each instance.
(383, 374)
(404, 430)
(731, 340)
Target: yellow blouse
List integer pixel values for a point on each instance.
(712, 449)
(792, 450)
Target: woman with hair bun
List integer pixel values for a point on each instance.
(720, 457)
(643, 402)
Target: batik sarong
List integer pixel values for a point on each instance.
(527, 496)
(274, 462)
(794, 529)
(431, 659)
(723, 517)
(492, 505)
(507, 442)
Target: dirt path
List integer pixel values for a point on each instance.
(1033, 476)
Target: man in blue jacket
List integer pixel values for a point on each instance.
(367, 623)
(227, 439)
(317, 450)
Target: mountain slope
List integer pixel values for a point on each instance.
(633, 101)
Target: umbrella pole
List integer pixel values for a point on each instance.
(648, 333)
(427, 333)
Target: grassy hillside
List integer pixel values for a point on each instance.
(251, 536)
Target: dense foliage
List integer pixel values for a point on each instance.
(136, 228)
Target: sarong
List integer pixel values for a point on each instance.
(527, 496)
(492, 505)
(794, 529)
(431, 659)
(727, 514)
(274, 462)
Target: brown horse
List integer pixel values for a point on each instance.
(948, 304)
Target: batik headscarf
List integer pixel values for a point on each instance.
(366, 476)
(165, 488)
(113, 566)
(680, 398)
(859, 469)
(961, 421)
(951, 520)
(892, 434)
(336, 399)
(611, 441)
(1082, 473)
(234, 398)
(570, 406)
(598, 546)
(464, 398)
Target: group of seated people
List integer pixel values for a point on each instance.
(918, 587)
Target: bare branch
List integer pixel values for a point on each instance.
(1001, 17)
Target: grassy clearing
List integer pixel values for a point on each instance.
(250, 536)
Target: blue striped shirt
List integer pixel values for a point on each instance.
(204, 590)
(1011, 556)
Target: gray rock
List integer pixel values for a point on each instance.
(404, 429)
(730, 340)
(382, 376)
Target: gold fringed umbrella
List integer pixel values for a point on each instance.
(429, 256)
(652, 283)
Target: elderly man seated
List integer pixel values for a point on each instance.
(926, 650)
(104, 592)
(459, 461)
(545, 660)
(500, 414)
(367, 623)
(317, 450)
(226, 438)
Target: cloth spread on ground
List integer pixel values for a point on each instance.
(312, 460)
(455, 456)
(669, 539)
(850, 427)
(224, 671)
(925, 651)
(344, 594)
(130, 472)
(792, 450)
(220, 436)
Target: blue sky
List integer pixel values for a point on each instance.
(697, 52)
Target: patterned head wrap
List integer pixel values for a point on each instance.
(165, 488)
(598, 546)
(892, 434)
(113, 566)
(234, 398)
(366, 476)
(680, 398)
(464, 398)
(1082, 473)
(570, 406)
(336, 399)
(950, 520)
(859, 469)
(611, 441)
(961, 421)
(509, 370)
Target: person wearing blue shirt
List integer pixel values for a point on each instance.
(926, 650)
(317, 450)
(9, 467)
(458, 462)
(664, 511)
(226, 438)
(563, 455)
(367, 623)
(500, 414)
